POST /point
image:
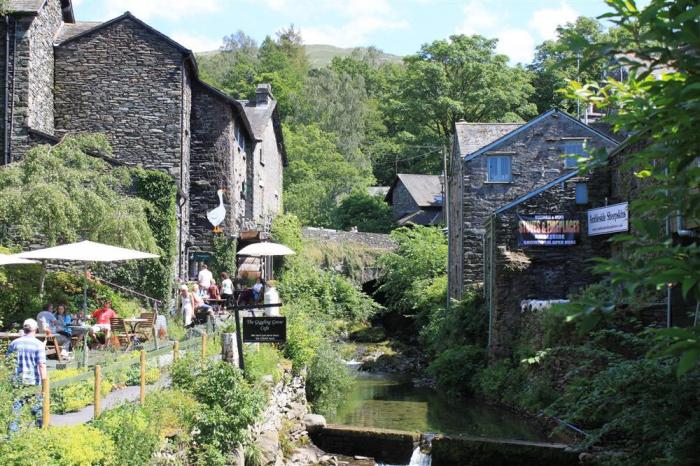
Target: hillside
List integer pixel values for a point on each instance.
(320, 55)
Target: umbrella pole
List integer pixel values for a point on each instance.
(85, 287)
(42, 280)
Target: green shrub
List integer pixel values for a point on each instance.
(261, 362)
(130, 427)
(327, 380)
(79, 445)
(366, 212)
(172, 411)
(304, 334)
(75, 396)
(455, 368)
(253, 455)
(183, 372)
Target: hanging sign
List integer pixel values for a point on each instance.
(264, 329)
(609, 219)
(547, 230)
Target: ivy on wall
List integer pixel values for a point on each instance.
(223, 257)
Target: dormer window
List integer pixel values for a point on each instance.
(498, 169)
(575, 149)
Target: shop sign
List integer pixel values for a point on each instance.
(609, 219)
(547, 230)
(264, 329)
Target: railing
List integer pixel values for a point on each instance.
(96, 374)
(153, 301)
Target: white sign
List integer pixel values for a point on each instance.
(610, 219)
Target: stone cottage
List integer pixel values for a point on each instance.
(142, 90)
(416, 199)
(496, 163)
(537, 248)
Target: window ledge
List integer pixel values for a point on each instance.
(498, 182)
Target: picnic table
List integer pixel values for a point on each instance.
(49, 339)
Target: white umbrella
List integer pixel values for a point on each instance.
(266, 249)
(87, 251)
(12, 260)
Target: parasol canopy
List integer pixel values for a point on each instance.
(87, 251)
(266, 249)
(12, 260)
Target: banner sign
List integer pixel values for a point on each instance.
(264, 329)
(609, 219)
(547, 230)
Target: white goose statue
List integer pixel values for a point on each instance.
(217, 215)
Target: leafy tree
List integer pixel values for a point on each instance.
(317, 175)
(235, 67)
(367, 213)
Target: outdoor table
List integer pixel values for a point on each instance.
(133, 322)
(84, 330)
(40, 336)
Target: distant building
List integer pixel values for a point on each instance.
(496, 163)
(416, 199)
(127, 80)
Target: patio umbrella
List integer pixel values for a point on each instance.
(266, 249)
(12, 260)
(86, 252)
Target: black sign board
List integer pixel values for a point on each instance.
(264, 329)
(547, 230)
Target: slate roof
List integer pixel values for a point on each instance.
(473, 136)
(259, 116)
(426, 190)
(32, 7)
(68, 31)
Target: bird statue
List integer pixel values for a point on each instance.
(216, 216)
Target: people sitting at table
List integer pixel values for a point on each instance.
(204, 277)
(214, 290)
(49, 325)
(199, 291)
(201, 309)
(102, 325)
(257, 290)
(63, 321)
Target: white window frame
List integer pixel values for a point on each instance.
(572, 162)
(501, 178)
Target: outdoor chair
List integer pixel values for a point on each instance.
(144, 330)
(120, 336)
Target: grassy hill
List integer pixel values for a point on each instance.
(320, 55)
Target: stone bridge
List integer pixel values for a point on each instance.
(350, 252)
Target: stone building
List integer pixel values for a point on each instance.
(416, 199)
(537, 248)
(494, 164)
(141, 89)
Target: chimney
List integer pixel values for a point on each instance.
(263, 95)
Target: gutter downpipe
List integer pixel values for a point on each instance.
(668, 286)
(7, 89)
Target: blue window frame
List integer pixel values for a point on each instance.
(498, 169)
(581, 193)
(575, 148)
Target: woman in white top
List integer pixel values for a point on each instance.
(186, 305)
(226, 289)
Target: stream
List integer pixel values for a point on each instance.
(378, 401)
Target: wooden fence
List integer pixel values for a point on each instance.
(96, 373)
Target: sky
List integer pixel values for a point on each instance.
(396, 26)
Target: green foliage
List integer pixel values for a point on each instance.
(328, 380)
(172, 412)
(455, 368)
(75, 396)
(286, 229)
(130, 427)
(420, 257)
(9, 393)
(367, 213)
(261, 362)
(304, 333)
(223, 256)
(79, 445)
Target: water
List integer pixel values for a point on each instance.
(418, 458)
(391, 404)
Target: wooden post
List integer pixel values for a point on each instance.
(204, 348)
(229, 351)
(98, 390)
(143, 377)
(46, 403)
(176, 350)
(239, 339)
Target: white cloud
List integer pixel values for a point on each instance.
(477, 19)
(546, 20)
(351, 34)
(518, 44)
(196, 43)
(167, 9)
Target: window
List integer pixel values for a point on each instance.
(498, 169)
(575, 148)
(581, 193)
(240, 137)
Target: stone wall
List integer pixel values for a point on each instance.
(127, 82)
(544, 273)
(212, 161)
(268, 186)
(385, 445)
(402, 202)
(372, 240)
(454, 228)
(536, 159)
